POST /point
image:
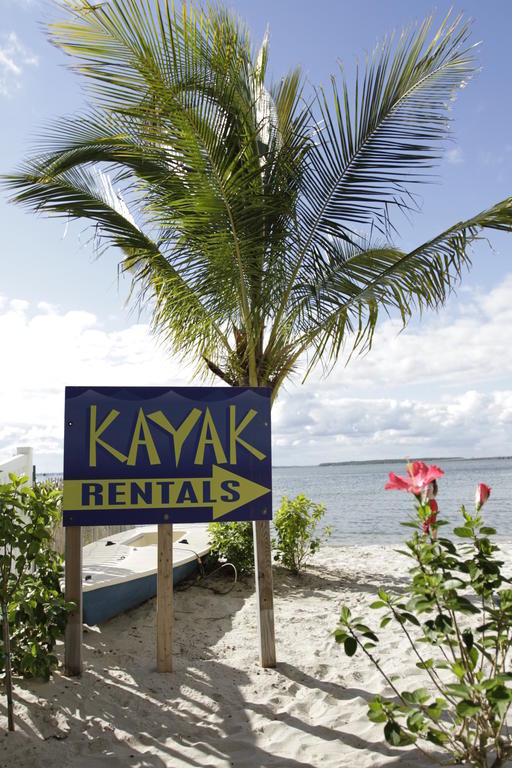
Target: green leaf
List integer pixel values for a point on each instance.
(420, 695)
(458, 670)
(377, 716)
(411, 618)
(459, 690)
(436, 736)
(499, 693)
(463, 532)
(462, 604)
(500, 707)
(467, 708)
(427, 664)
(453, 584)
(434, 712)
(395, 736)
(447, 544)
(350, 644)
(415, 721)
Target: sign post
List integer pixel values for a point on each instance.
(164, 600)
(264, 592)
(73, 593)
(167, 455)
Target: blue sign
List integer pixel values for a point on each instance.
(166, 455)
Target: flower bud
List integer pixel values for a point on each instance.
(482, 494)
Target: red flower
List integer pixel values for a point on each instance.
(482, 494)
(419, 477)
(427, 523)
(432, 519)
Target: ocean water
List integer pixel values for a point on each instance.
(359, 510)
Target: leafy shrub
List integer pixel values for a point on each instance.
(295, 523)
(38, 615)
(457, 618)
(33, 609)
(233, 542)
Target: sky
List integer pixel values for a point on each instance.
(440, 388)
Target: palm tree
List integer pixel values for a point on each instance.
(255, 220)
(247, 216)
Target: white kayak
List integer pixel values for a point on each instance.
(120, 571)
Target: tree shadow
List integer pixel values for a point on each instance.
(205, 713)
(320, 582)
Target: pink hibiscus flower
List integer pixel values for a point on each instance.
(483, 492)
(420, 476)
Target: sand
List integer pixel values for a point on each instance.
(219, 707)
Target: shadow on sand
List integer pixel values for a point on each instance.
(207, 712)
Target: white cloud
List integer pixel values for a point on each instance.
(466, 424)
(46, 350)
(14, 58)
(455, 156)
(443, 387)
(465, 342)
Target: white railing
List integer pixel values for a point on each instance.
(21, 464)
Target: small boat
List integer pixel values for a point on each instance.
(119, 572)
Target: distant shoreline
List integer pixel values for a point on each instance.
(393, 461)
(402, 460)
(356, 463)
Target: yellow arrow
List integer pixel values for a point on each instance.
(223, 485)
(224, 492)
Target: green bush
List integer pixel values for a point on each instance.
(296, 523)
(38, 616)
(33, 609)
(233, 543)
(455, 613)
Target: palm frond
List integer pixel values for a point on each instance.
(374, 145)
(84, 194)
(371, 148)
(351, 287)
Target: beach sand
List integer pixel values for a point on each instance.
(219, 707)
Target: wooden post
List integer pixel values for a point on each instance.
(73, 659)
(164, 599)
(264, 592)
